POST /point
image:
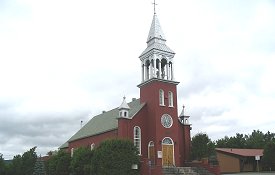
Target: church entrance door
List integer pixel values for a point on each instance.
(167, 152)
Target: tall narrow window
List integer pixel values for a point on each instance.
(161, 97)
(151, 152)
(137, 138)
(170, 99)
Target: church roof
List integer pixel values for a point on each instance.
(124, 104)
(155, 30)
(182, 113)
(156, 39)
(64, 145)
(107, 121)
(159, 47)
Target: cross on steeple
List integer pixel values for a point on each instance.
(154, 6)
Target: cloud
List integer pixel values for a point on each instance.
(227, 78)
(45, 130)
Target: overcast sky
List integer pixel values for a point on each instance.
(64, 61)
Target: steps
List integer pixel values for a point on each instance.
(179, 171)
(185, 171)
(202, 171)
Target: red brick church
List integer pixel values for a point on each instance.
(152, 121)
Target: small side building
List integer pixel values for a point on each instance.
(232, 160)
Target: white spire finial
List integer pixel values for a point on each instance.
(124, 108)
(182, 112)
(124, 104)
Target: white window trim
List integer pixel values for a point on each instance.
(92, 146)
(137, 138)
(161, 97)
(162, 120)
(150, 144)
(72, 152)
(170, 99)
(169, 139)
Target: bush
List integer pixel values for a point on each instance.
(59, 164)
(115, 156)
(81, 161)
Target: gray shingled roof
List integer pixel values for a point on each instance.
(65, 145)
(155, 30)
(104, 122)
(157, 46)
(156, 39)
(124, 105)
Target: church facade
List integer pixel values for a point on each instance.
(161, 136)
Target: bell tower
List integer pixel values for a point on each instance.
(158, 90)
(157, 64)
(157, 58)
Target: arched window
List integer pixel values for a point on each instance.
(161, 97)
(170, 99)
(150, 149)
(137, 138)
(167, 141)
(151, 152)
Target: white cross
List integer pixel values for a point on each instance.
(154, 6)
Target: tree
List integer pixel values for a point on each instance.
(81, 161)
(256, 140)
(269, 137)
(201, 146)
(28, 161)
(238, 141)
(268, 157)
(59, 164)
(23, 165)
(222, 143)
(39, 168)
(16, 165)
(116, 156)
(2, 165)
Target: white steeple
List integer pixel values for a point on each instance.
(157, 58)
(183, 118)
(155, 30)
(124, 108)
